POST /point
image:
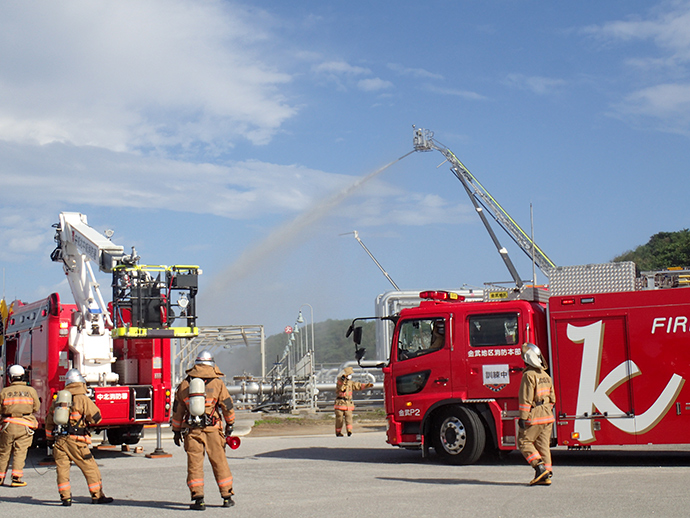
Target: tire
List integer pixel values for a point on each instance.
(114, 436)
(458, 435)
(124, 435)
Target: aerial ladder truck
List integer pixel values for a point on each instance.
(616, 342)
(123, 348)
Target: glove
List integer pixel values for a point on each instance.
(228, 430)
(369, 385)
(522, 423)
(177, 438)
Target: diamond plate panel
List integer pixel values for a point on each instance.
(591, 278)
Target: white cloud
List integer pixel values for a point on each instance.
(668, 27)
(22, 234)
(373, 84)
(133, 75)
(665, 102)
(412, 210)
(659, 100)
(413, 72)
(465, 94)
(536, 84)
(242, 190)
(340, 67)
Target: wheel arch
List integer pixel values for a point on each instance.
(481, 408)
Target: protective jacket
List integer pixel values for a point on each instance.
(83, 412)
(536, 397)
(207, 438)
(72, 443)
(18, 403)
(343, 393)
(218, 399)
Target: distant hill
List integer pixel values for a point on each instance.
(663, 250)
(331, 348)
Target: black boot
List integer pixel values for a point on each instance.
(198, 504)
(66, 501)
(540, 474)
(228, 501)
(101, 500)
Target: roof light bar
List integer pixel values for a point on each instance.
(441, 295)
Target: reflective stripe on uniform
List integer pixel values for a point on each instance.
(542, 420)
(536, 455)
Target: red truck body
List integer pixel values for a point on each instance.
(619, 362)
(37, 337)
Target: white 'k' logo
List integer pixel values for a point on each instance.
(591, 395)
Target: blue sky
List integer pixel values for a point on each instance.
(230, 135)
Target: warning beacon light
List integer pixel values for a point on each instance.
(441, 295)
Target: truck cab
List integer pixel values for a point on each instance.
(454, 372)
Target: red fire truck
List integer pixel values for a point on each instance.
(617, 344)
(619, 361)
(123, 348)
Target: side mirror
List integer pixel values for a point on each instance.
(349, 330)
(357, 336)
(359, 354)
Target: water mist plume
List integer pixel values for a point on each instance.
(283, 235)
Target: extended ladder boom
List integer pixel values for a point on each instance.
(424, 141)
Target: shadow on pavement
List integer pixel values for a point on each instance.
(560, 457)
(365, 455)
(78, 501)
(452, 481)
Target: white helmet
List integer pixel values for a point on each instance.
(74, 376)
(532, 356)
(205, 358)
(16, 371)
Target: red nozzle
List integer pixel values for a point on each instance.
(233, 442)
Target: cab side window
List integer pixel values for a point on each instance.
(496, 329)
(421, 336)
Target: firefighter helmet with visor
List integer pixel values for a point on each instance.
(205, 358)
(16, 371)
(532, 356)
(74, 376)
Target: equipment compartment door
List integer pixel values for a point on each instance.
(592, 375)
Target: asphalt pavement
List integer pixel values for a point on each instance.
(361, 476)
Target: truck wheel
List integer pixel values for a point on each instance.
(124, 435)
(458, 436)
(114, 436)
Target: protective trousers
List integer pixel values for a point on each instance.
(534, 444)
(211, 441)
(67, 449)
(15, 440)
(343, 417)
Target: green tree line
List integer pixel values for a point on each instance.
(663, 250)
(331, 347)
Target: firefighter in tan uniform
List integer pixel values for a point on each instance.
(344, 405)
(18, 404)
(536, 400)
(71, 442)
(199, 401)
